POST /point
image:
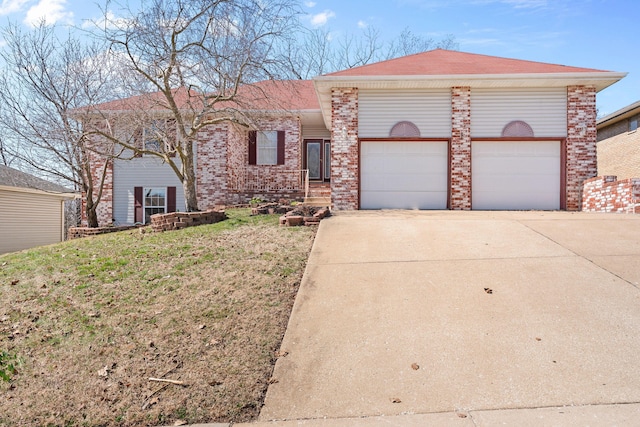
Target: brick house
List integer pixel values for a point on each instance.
(617, 187)
(618, 145)
(436, 130)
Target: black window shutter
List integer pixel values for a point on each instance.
(280, 147)
(253, 147)
(138, 214)
(171, 199)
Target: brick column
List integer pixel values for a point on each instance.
(214, 145)
(98, 162)
(460, 148)
(344, 148)
(581, 142)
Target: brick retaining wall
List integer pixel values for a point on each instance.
(607, 194)
(179, 220)
(79, 232)
(159, 222)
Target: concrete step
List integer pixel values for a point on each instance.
(317, 201)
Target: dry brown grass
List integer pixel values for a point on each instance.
(91, 320)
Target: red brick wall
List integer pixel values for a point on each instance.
(344, 149)
(247, 181)
(223, 170)
(211, 166)
(607, 194)
(581, 141)
(460, 189)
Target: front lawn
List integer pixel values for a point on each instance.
(85, 324)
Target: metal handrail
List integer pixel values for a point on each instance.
(306, 182)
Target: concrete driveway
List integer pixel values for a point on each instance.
(409, 312)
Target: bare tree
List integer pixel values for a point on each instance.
(186, 61)
(45, 81)
(409, 43)
(311, 55)
(354, 51)
(317, 52)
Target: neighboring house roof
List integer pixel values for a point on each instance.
(621, 114)
(443, 69)
(10, 177)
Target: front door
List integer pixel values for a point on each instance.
(317, 159)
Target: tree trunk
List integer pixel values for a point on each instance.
(90, 210)
(189, 181)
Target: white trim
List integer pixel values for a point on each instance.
(144, 201)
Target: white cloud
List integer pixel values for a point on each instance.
(108, 21)
(320, 19)
(51, 11)
(310, 4)
(11, 6)
(362, 24)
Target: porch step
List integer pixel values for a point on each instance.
(318, 201)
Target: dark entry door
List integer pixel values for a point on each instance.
(317, 156)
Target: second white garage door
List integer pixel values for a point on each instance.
(515, 175)
(403, 175)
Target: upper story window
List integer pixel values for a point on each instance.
(633, 124)
(266, 147)
(160, 135)
(152, 135)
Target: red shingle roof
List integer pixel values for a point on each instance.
(447, 62)
(264, 95)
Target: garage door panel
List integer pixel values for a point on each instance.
(404, 175)
(410, 183)
(517, 201)
(403, 200)
(516, 175)
(515, 166)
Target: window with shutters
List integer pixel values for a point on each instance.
(266, 147)
(153, 200)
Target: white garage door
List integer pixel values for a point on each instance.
(404, 175)
(515, 175)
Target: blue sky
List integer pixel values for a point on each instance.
(598, 34)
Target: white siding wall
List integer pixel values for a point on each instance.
(379, 110)
(141, 172)
(544, 109)
(28, 220)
